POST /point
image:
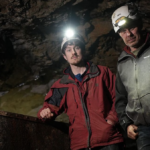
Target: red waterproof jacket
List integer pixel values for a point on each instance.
(88, 104)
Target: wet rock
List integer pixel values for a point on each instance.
(24, 87)
(40, 89)
(3, 93)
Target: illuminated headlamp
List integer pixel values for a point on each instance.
(69, 33)
(121, 21)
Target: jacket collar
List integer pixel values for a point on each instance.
(68, 71)
(91, 71)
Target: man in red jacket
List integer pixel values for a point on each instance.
(86, 92)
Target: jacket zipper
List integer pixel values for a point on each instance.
(137, 88)
(136, 81)
(87, 119)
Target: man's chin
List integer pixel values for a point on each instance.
(133, 44)
(77, 63)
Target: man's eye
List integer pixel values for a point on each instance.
(77, 47)
(131, 29)
(68, 50)
(123, 31)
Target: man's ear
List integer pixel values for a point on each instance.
(119, 33)
(64, 56)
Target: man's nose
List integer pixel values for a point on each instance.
(128, 32)
(74, 51)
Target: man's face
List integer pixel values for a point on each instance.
(131, 36)
(73, 54)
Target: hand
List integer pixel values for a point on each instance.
(46, 113)
(131, 131)
(110, 122)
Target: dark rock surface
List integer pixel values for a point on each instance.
(31, 32)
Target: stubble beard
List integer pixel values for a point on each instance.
(78, 63)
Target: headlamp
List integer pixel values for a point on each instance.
(121, 21)
(69, 33)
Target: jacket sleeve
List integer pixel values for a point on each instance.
(121, 103)
(110, 85)
(54, 101)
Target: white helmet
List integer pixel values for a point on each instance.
(71, 35)
(120, 16)
(66, 39)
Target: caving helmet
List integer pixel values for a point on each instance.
(124, 15)
(71, 36)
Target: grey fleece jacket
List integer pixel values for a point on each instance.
(133, 87)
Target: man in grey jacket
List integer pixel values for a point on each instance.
(133, 77)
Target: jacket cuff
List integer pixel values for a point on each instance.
(125, 123)
(53, 110)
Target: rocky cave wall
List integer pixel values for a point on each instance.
(31, 32)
